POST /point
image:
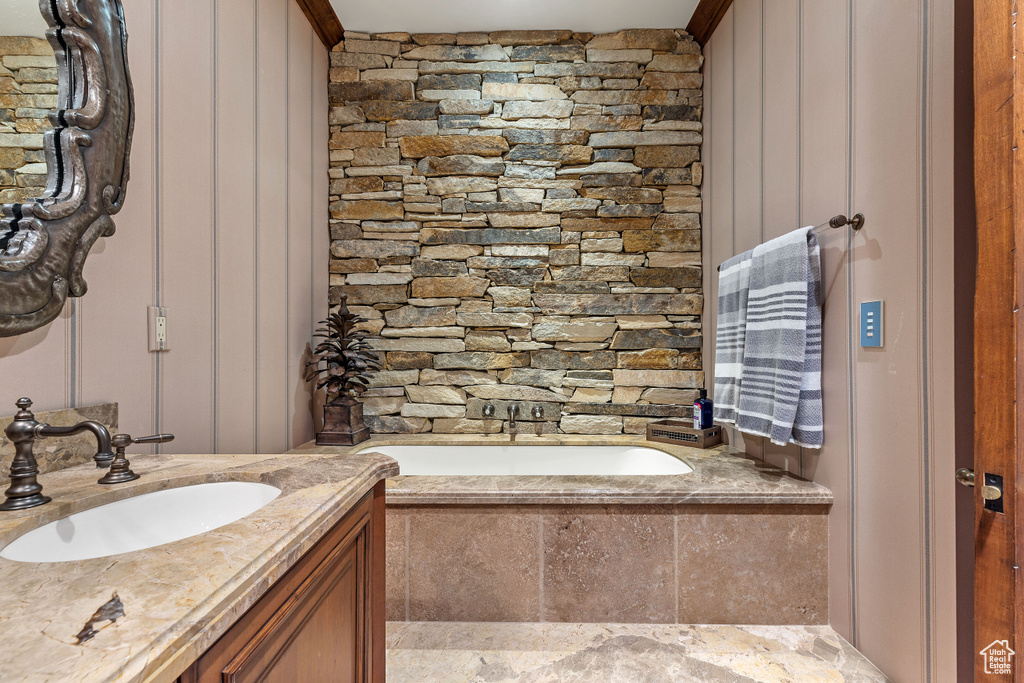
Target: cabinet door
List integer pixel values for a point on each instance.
(320, 622)
(315, 636)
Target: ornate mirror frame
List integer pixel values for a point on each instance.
(44, 241)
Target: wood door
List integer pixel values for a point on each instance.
(998, 339)
(322, 622)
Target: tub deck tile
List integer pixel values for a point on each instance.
(721, 476)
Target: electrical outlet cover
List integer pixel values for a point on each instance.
(158, 340)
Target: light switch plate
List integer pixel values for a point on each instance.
(158, 329)
(872, 324)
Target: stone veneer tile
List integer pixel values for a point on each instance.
(533, 180)
(474, 564)
(28, 87)
(609, 563)
(726, 551)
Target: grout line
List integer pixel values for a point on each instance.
(540, 563)
(675, 557)
(408, 568)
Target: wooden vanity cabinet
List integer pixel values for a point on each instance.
(323, 621)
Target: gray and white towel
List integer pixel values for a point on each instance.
(733, 284)
(776, 392)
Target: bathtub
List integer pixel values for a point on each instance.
(525, 460)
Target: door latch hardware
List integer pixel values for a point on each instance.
(992, 492)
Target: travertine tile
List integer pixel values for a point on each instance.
(753, 564)
(609, 563)
(396, 584)
(474, 564)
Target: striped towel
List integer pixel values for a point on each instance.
(733, 283)
(780, 395)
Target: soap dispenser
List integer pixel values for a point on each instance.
(703, 411)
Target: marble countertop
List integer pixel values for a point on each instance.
(720, 475)
(180, 597)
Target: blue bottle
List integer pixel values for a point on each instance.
(703, 410)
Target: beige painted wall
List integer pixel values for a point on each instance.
(814, 108)
(225, 224)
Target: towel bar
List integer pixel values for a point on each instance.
(857, 222)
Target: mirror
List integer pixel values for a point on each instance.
(74, 137)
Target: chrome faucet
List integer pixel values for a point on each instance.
(25, 490)
(512, 410)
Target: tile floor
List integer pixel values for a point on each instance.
(422, 652)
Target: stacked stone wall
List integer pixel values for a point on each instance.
(28, 91)
(518, 216)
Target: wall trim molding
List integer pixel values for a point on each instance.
(325, 22)
(705, 19)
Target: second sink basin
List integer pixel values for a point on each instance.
(140, 522)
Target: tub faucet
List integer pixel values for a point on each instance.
(512, 410)
(24, 430)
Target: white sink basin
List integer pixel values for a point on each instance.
(140, 522)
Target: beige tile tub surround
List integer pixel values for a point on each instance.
(180, 597)
(714, 564)
(735, 541)
(59, 453)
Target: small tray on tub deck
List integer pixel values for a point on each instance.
(683, 434)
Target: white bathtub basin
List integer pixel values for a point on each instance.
(140, 522)
(533, 460)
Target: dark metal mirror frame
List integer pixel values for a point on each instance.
(44, 241)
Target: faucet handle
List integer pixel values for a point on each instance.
(537, 412)
(489, 410)
(122, 441)
(156, 438)
(120, 468)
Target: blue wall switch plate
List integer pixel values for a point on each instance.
(871, 324)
